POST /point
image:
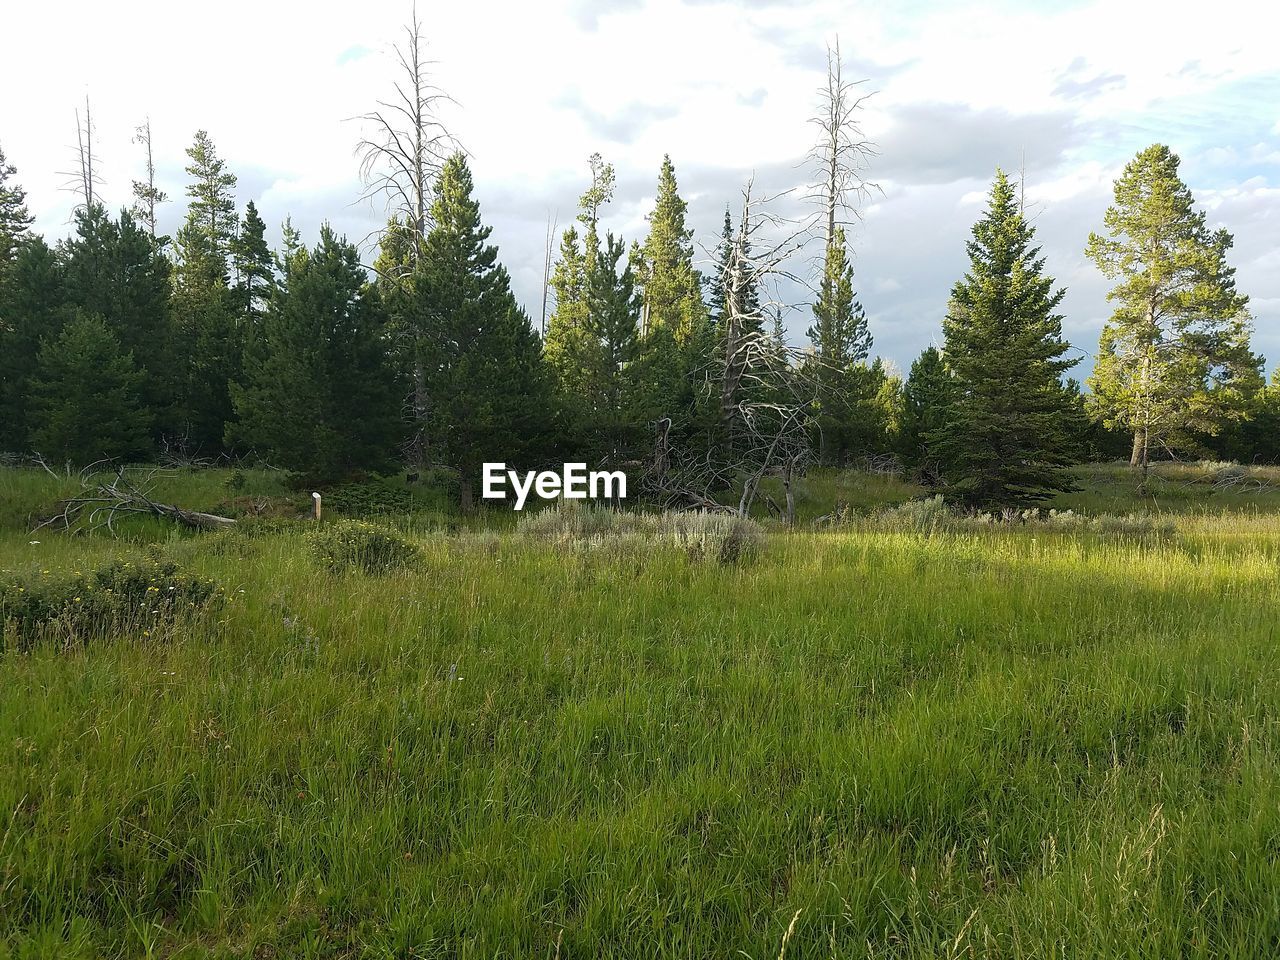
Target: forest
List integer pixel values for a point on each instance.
(975, 659)
(121, 344)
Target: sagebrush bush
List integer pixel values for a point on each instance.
(122, 596)
(355, 545)
(724, 537)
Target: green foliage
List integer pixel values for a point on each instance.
(121, 597)
(487, 395)
(33, 305)
(85, 396)
(1175, 356)
(1007, 431)
(254, 270)
(671, 287)
(15, 219)
(354, 545)
(318, 395)
(926, 400)
(114, 270)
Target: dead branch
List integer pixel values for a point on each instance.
(102, 502)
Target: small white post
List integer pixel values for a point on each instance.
(316, 498)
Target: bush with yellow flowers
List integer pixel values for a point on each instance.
(120, 597)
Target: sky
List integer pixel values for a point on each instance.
(1064, 93)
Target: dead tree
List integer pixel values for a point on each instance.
(764, 390)
(146, 195)
(406, 143)
(84, 180)
(840, 156)
(102, 501)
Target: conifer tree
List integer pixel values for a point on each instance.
(115, 272)
(204, 305)
(146, 195)
(489, 397)
(33, 308)
(85, 396)
(254, 268)
(15, 219)
(841, 342)
(670, 285)
(1007, 429)
(318, 395)
(613, 312)
(1175, 356)
(926, 400)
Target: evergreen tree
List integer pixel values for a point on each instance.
(1175, 357)
(841, 341)
(254, 269)
(115, 272)
(568, 347)
(203, 304)
(32, 309)
(489, 397)
(671, 287)
(15, 219)
(318, 395)
(1007, 429)
(926, 401)
(613, 312)
(84, 396)
(146, 195)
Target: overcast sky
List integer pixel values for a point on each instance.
(1073, 90)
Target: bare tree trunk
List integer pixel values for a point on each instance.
(1139, 455)
(466, 496)
(418, 452)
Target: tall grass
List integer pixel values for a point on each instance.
(993, 742)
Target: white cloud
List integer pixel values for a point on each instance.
(724, 87)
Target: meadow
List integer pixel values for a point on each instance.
(896, 735)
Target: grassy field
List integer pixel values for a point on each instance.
(864, 741)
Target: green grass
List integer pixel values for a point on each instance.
(996, 742)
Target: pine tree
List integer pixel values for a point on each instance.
(146, 195)
(318, 395)
(568, 347)
(254, 268)
(115, 272)
(489, 398)
(841, 342)
(204, 306)
(1175, 356)
(204, 241)
(926, 400)
(33, 308)
(15, 219)
(1007, 428)
(613, 313)
(671, 287)
(84, 396)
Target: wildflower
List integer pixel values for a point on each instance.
(33, 542)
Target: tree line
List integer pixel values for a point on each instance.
(118, 342)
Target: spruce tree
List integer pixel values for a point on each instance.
(15, 219)
(1006, 434)
(489, 397)
(841, 342)
(1175, 357)
(318, 395)
(114, 271)
(33, 308)
(613, 312)
(671, 287)
(85, 396)
(926, 400)
(203, 303)
(254, 269)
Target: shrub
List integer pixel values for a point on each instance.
(723, 537)
(119, 597)
(925, 516)
(356, 545)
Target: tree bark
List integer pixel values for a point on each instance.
(1139, 455)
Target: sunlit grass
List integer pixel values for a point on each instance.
(1002, 742)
